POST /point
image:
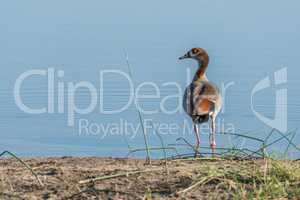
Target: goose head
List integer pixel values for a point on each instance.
(198, 54)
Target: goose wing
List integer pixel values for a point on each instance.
(201, 98)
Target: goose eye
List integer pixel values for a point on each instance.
(195, 51)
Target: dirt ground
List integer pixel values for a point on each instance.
(64, 178)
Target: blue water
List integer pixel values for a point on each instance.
(246, 41)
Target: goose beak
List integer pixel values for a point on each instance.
(184, 57)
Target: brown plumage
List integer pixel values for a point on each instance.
(202, 100)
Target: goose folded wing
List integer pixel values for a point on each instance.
(205, 99)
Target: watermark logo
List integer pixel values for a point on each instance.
(65, 94)
(124, 127)
(62, 92)
(279, 121)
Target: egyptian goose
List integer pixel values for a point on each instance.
(202, 100)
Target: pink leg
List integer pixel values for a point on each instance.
(213, 144)
(196, 129)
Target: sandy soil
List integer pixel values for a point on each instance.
(61, 179)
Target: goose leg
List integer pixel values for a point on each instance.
(212, 136)
(196, 129)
